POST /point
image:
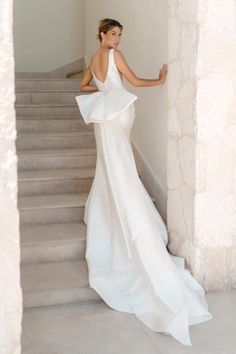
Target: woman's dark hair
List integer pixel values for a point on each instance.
(105, 25)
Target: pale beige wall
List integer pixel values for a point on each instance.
(47, 34)
(144, 45)
(10, 290)
(201, 139)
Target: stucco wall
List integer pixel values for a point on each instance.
(202, 145)
(10, 291)
(144, 45)
(47, 34)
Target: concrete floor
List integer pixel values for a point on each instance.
(95, 328)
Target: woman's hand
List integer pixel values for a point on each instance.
(163, 74)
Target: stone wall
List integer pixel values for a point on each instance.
(201, 166)
(10, 291)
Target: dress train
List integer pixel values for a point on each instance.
(126, 247)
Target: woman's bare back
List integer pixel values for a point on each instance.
(99, 64)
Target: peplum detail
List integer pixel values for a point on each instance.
(102, 106)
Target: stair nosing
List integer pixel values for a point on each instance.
(80, 262)
(36, 105)
(36, 243)
(52, 152)
(47, 91)
(66, 171)
(48, 230)
(58, 203)
(46, 79)
(48, 117)
(54, 134)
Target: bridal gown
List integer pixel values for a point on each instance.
(128, 262)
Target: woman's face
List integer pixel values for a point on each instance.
(112, 37)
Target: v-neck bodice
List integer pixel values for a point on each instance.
(113, 78)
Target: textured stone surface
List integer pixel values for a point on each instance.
(216, 276)
(201, 203)
(10, 291)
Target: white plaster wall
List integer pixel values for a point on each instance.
(202, 146)
(10, 290)
(144, 45)
(216, 142)
(181, 171)
(47, 34)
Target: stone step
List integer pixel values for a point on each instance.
(48, 209)
(57, 181)
(56, 283)
(53, 124)
(47, 84)
(47, 96)
(52, 242)
(43, 159)
(52, 109)
(55, 140)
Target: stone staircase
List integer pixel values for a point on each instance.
(56, 162)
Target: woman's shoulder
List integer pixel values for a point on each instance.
(118, 55)
(99, 52)
(95, 56)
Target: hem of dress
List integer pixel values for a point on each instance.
(94, 284)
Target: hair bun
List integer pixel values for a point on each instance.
(105, 25)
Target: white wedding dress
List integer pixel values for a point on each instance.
(128, 262)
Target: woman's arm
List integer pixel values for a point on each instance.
(130, 75)
(84, 85)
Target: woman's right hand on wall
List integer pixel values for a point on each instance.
(163, 74)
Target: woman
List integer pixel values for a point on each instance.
(128, 261)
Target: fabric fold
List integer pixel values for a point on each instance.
(102, 106)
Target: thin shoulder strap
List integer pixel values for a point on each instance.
(112, 61)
